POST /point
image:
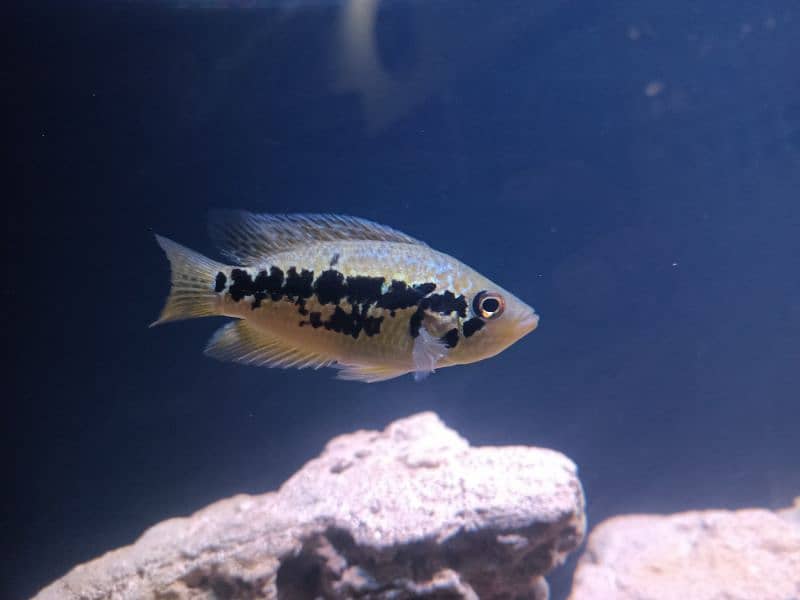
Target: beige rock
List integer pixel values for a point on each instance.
(721, 555)
(412, 511)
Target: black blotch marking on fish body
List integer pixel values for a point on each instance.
(445, 303)
(258, 289)
(362, 289)
(267, 285)
(361, 292)
(298, 285)
(450, 338)
(400, 295)
(242, 284)
(372, 325)
(295, 287)
(424, 288)
(220, 282)
(415, 323)
(334, 260)
(354, 322)
(330, 287)
(472, 326)
(342, 322)
(273, 283)
(257, 298)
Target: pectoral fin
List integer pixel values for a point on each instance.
(428, 351)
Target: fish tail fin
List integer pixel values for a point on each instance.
(192, 294)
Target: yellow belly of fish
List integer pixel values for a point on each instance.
(392, 346)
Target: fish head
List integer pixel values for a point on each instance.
(496, 319)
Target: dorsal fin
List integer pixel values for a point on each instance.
(247, 237)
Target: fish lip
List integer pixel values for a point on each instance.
(529, 322)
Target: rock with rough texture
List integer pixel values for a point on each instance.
(721, 555)
(409, 512)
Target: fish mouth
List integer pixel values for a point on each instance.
(529, 322)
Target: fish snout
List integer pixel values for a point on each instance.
(528, 321)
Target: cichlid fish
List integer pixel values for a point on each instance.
(329, 290)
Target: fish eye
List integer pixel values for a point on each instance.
(488, 305)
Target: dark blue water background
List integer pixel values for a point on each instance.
(631, 169)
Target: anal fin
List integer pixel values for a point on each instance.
(241, 342)
(368, 373)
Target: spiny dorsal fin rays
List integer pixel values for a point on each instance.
(247, 237)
